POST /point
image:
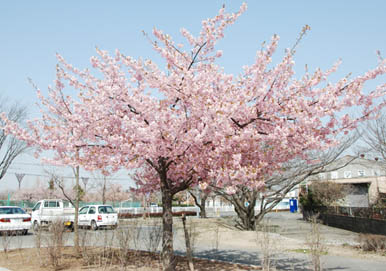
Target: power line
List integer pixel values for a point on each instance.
(35, 164)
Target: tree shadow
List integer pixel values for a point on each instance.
(279, 261)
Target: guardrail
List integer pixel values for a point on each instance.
(215, 211)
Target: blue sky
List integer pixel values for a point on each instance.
(31, 32)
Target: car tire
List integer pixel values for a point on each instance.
(36, 226)
(25, 232)
(93, 225)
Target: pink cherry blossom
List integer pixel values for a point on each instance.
(203, 126)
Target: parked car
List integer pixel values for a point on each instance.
(98, 216)
(51, 210)
(14, 219)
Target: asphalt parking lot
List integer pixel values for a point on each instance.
(292, 225)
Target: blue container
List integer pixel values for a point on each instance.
(293, 205)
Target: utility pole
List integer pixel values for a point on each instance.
(19, 177)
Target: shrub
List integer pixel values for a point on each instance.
(372, 242)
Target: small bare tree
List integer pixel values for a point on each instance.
(73, 198)
(55, 243)
(315, 243)
(266, 244)
(10, 147)
(375, 137)
(6, 240)
(189, 252)
(151, 240)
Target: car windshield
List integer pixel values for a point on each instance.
(11, 210)
(83, 210)
(106, 210)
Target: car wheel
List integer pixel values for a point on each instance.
(94, 226)
(36, 226)
(25, 232)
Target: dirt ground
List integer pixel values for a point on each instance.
(32, 259)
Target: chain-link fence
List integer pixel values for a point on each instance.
(26, 204)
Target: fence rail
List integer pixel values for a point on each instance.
(136, 208)
(362, 212)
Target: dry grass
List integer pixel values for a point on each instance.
(24, 260)
(373, 242)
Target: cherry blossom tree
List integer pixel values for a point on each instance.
(115, 192)
(189, 120)
(40, 190)
(281, 182)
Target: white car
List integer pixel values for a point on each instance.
(14, 219)
(98, 216)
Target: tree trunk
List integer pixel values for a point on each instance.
(200, 201)
(247, 217)
(167, 254)
(104, 192)
(189, 253)
(203, 207)
(244, 201)
(76, 232)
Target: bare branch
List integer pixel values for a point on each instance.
(9, 145)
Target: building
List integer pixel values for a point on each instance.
(367, 180)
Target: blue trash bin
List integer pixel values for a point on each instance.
(293, 205)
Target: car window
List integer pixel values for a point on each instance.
(37, 206)
(83, 210)
(53, 204)
(106, 210)
(5, 211)
(67, 204)
(92, 210)
(18, 211)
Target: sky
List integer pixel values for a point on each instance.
(32, 32)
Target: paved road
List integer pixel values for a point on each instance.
(289, 225)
